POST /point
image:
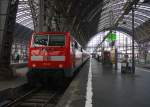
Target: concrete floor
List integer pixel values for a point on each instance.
(19, 80)
(110, 88)
(21, 72)
(76, 92)
(113, 89)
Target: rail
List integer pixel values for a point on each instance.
(37, 97)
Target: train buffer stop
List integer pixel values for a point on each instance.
(74, 53)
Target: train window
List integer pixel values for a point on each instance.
(48, 40)
(56, 40)
(40, 40)
(76, 45)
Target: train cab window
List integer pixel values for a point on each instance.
(81, 50)
(76, 45)
(48, 40)
(40, 40)
(56, 40)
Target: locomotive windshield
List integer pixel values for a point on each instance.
(49, 40)
(56, 40)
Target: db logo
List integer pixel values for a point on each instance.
(35, 52)
(43, 52)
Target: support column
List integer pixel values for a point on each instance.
(126, 46)
(116, 59)
(8, 10)
(46, 16)
(133, 38)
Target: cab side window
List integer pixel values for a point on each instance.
(81, 49)
(76, 45)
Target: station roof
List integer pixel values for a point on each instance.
(93, 16)
(22, 34)
(112, 11)
(24, 16)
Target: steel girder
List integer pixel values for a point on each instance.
(81, 17)
(146, 29)
(67, 15)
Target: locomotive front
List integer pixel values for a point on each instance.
(49, 54)
(47, 50)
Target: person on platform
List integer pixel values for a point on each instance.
(17, 57)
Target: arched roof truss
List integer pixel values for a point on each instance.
(112, 10)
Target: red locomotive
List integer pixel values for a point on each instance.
(54, 53)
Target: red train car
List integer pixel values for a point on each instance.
(106, 57)
(54, 53)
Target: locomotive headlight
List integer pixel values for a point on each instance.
(60, 65)
(34, 65)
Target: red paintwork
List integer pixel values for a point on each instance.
(106, 57)
(66, 51)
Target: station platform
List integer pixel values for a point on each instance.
(99, 86)
(19, 64)
(147, 66)
(18, 80)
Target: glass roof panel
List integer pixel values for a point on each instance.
(115, 8)
(24, 16)
(126, 27)
(23, 19)
(137, 19)
(111, 9)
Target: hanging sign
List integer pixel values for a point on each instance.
(111, 37)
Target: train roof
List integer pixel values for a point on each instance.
(50, 32)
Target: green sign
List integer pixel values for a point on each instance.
(111, 37)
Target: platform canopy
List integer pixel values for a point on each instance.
(88, 17)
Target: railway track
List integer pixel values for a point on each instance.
(36, 98)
